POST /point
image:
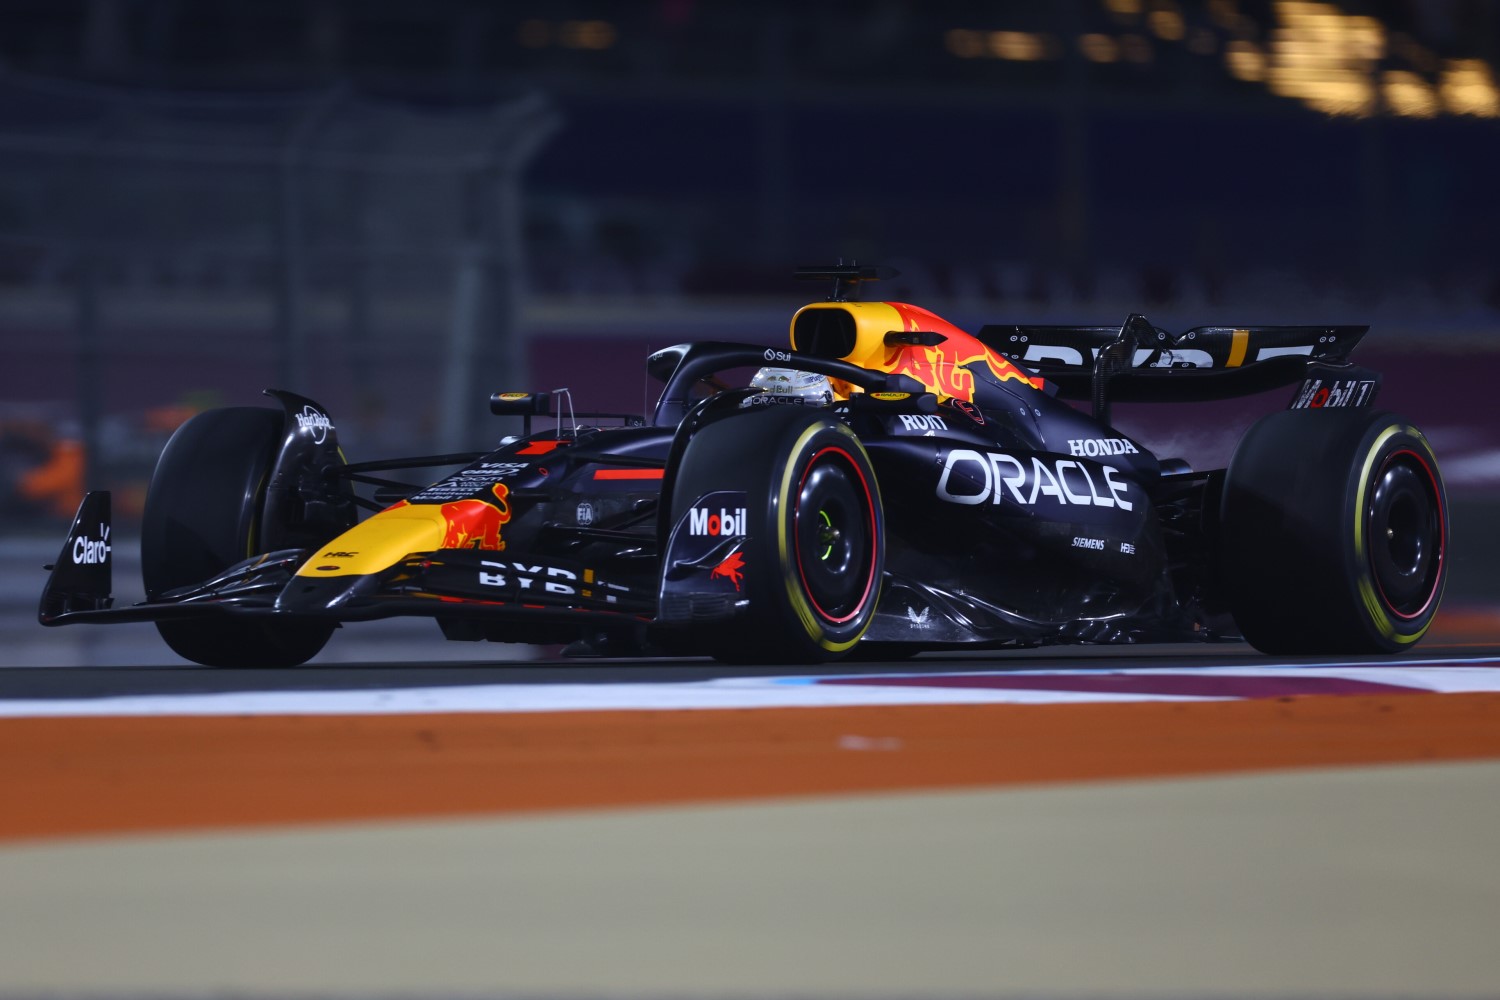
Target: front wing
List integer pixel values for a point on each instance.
(460, 584)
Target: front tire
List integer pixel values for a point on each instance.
(814, 555)
(203, 514)
(1334, 533)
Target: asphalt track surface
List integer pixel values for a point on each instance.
(1128, 822)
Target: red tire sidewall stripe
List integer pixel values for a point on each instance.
(874, 536)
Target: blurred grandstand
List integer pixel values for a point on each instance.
(397, 207)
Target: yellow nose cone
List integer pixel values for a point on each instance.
(377, 543)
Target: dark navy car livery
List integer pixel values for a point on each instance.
(926, 489)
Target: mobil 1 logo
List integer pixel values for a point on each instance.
(1333, 393)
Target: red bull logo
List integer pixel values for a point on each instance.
(942, 367)
(476, 524)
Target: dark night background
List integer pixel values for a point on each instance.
(397, 208)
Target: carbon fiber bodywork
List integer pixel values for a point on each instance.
(1010, 517)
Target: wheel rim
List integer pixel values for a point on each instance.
(834, 531)
(1405, 527)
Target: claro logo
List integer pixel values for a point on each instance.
(92, 551)
(990, 476)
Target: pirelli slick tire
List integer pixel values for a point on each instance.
(814, 549)
(203, 514)
(1334, 533)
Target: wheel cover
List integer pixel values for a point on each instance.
(1404, 523)
(833, 527)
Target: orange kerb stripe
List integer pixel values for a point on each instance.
(113, 775)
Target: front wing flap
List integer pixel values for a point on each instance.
(447, 583)
(524, 582)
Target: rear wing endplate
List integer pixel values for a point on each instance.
(1140, 362)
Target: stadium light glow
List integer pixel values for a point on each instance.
(1167, 24)
(1325, 58)
(1019, 46)
(1408, 95)
(1245, 61)
(1468, 88)
(1316, 53)
(1099, 48)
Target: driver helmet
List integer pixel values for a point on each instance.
(788, 385)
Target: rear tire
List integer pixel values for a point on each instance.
(1334, 533)
(203, 514)
(814, 553)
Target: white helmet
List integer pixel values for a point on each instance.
(788, 385)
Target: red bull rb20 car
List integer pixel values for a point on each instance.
(890, 484)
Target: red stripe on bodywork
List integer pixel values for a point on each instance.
(628, 473)
(541, 447)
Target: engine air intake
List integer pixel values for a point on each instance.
(825, 333)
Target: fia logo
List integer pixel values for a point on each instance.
(585, 514)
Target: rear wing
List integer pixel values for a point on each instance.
(1140, 362)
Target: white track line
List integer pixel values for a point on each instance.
(1444, 676)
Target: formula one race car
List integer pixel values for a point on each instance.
(891, 484)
